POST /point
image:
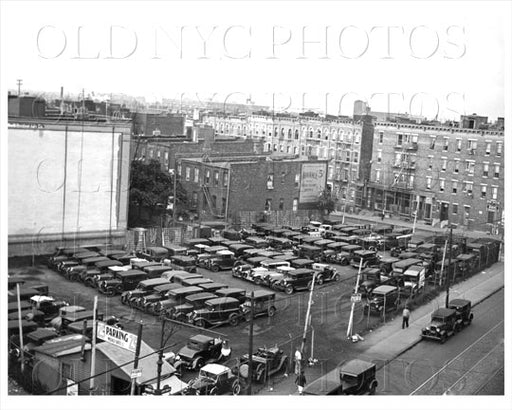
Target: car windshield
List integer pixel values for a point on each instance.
(207, 375)
(436, 320)
(348, 378)
(194, 345)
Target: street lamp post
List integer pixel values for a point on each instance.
(173, 173)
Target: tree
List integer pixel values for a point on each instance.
(327, 201)
(151, 187)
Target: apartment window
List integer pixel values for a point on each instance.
(281, 148)
(472, 145)
(381, 137)
(496, 170)
(166, 157)
(490, 217)
(470, 167)
(485, 172)
(468, 187)
(295, 204)
(270, 181)
(296, 134)
(158, 154)
(445, 144)
(455, 209)
(288, 149)
(432, 142)
(454, 187)
(399, 140)
(194, 199)
(443, 164)
(411, 181)
(357, 138)
(179, 169)
(150, 153)
(295, 150)
(494, 192)
(430, 162)
(275, 147)
(297, 180)
(207, 177)
(483, 191)
(223, 205)
(487, 148)
(467, 211)
(196, 175)
(379, 156)
(459, 145)
(225, 178)
(456, 166)
(441, 185)
(281, 204)
(216, 178)
(499, 149)
(414, 139)
(398, 159)
(377, 175)
(356, 156)
(187, 174)
(347, 156)
(429, 182)
(283, 175)
(268, 204)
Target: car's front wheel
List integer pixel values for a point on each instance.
(235, 388)
(271, 311)
(373, 387)
(233, 319)
(215, 268)
(320, 280)
(288, 290)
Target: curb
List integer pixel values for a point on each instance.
(407, 348)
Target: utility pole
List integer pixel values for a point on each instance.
(308, 312)
(251, 332)
(20, 325)
(160, 362)
(351, 320)
(136, 360)
(449, 266)
(19, 82)
(93, 350)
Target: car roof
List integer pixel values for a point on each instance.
(222, 300)
(444, 312)
(185, 289)
(229, 291)
(155, 281)
(201, 338)
(384, 289)
(260, 293)
(459, 302)
(225, 253)
(215, 368)
(355, 367)
(200, 296)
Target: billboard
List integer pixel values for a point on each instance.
(313, 177)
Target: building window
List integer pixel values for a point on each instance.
(225, 178)
(158, 154)
(214, 201)
(268, 204)
(356, 157)
(381, 137)
(485, 172)
(179, 169)
(288, 149)
(283, 176)
(166, 158)
(483, 191)
(411, 181)
(490, 217)
(445, 144)
(472, 145)
(496, 170)
(270, 181)
(430, 163)
(187, 173)
(468, 187)
(207, 177)
(194, 199)
(296, 134)
(399, 140)
(443, 164)
(470, 167)
(499, 149)
(467, 211)
(441, 185)
(196, 175)
(223, 205)
(455, 209)
(295, 150)
(454, 187)
(429, 182)
(281, 148)
(216, 178)
(487, 148)
(432, 142)
(295, 204)
(456, 166)
(281, 204)
(357, 138)
(275, 147)
(150, 153)
(459, 145)
(377, 175)
(494, 192)
(379, 156)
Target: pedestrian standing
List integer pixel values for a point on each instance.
(300, 381)
(298, 360)
(383, 215)
(405, 317)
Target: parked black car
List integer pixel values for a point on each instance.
(297, 279)
(443, 324)
(217, 311)
(201, 350)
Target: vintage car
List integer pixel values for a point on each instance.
(195, 281)
(329, 254)
(214, 379)
(382, 299)
(212, 286)
(297, 279)
(121, 282)
(192, 302)
(54, 261)
(370, 279)
(263, 302)
(154, 253)
(256, 242)
(237, 293)
(201, 350)
(325, 273)
(386, 264)
(369, 258)
(464, 313)
(265, 361)
(155, 271)
(180, 278)
(356, 377)
(222, 260)
(216, 312)
(346, 254)
(181, 262)
(414, 280)
(466, 264)
(103, 266)
(148, 302)
(143, 288)
(173, 298)
(310, 252)
(238, 249)
(443, 324)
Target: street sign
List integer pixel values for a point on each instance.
(356, 297)
(136, 373)
(116, 336)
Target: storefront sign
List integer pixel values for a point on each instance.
(117, 336)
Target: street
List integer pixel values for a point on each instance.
(470, 362)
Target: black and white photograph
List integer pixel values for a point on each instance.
(284, 199)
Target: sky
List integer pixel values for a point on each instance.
(435, 59)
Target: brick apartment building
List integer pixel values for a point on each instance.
(346, 144)
(444, 173)
(229, 186)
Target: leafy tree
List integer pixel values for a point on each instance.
(327, 201)
(151, 187)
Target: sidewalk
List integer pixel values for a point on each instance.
(389, 341)
(366, 216)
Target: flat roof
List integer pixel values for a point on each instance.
(355, 367)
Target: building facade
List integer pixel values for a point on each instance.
(68, 183)
(441, 173)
